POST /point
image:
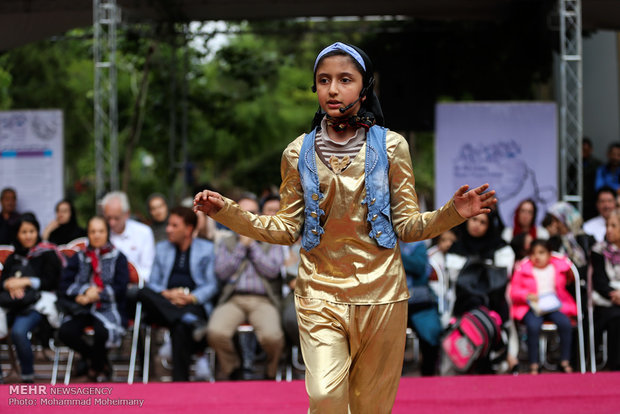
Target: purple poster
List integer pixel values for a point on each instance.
(512, 146)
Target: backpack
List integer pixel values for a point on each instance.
(471, 337)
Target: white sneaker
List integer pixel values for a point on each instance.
(203, 371)
(165, 350)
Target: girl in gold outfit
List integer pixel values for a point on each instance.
(348, 192)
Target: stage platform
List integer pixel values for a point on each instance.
(545, 394)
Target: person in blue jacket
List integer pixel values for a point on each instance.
(423, 313)
(181, 287)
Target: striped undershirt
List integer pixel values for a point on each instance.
(326, 147)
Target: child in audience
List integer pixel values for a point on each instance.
(441, 245)
(538, 292)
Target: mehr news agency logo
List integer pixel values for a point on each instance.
(53, 395)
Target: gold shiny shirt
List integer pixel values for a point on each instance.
(347, 266)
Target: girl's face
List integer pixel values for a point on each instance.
(27, 235)
(554, 227)
(97, 233)
(338, 84)
(445, 241)
(63, 213)
(540, 256)
(158, 209)
(613, 229)
(477, 226)
(525, 215)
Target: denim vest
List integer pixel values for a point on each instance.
(377, 190)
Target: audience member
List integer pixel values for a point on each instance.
(158, 212)
(481, 263)
(180, 290)
(64, 228)
(8, 216)
(563, 222)
(524, 221)
(134, 239)
(440, 247)
(609, 174)
(538, 293)
(29, 281)
(521, 245)
(289, 315)
(250, 272)
(437, 256)
(605, 204)
(478, 240)
(93, 289)
(606, 289)
(423, 313)
(589, 166)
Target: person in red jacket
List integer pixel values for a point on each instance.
(538, 293)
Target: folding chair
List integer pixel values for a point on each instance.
(73, 246)
(591, 340)
(438, 279)
(5, 251)
(135, 278)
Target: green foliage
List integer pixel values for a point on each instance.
(5, 82)
(247, 100)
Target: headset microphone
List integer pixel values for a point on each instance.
(349, 106)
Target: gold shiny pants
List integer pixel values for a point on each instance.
(353, 354)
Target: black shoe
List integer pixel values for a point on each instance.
(81, 368)
(242, 374)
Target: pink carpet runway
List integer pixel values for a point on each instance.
(548, 394)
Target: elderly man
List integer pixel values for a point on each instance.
(131, 237)
(179, 292)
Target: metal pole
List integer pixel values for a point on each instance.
(571, 110)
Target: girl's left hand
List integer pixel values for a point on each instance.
(473, 202)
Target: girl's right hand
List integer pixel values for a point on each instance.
(17, 293)
(209, 202)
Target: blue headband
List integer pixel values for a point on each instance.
(340, 46)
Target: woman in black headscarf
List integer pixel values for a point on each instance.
(479, 244)
(479, 265)
(64, 228)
